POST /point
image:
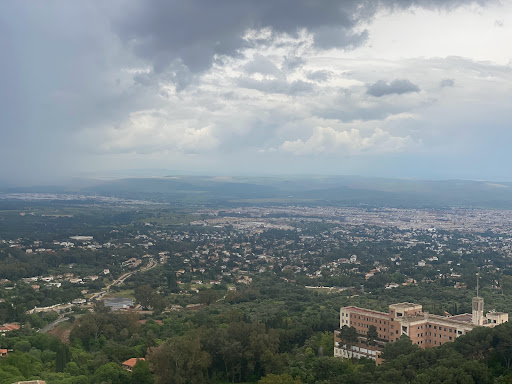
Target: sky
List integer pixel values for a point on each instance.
(395, 88)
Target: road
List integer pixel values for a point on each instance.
(98, 295)
(49, 327)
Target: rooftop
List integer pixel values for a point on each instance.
(464, 318)
(405, 306)
(131, 362)
(365, 311)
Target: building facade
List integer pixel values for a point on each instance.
(424, 329)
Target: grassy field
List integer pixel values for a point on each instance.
(125, 294)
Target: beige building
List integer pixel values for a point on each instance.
(409, 319)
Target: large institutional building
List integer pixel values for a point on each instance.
(424, 329)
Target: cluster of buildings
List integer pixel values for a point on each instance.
(424, 329)
(455, 219)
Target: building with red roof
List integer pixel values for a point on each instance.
(130, 363)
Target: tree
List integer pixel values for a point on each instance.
(10, 374)
(63, 357)
(372, 334)
(141, 373)
(111, 373)
(172, 283)
(279, 379)
(503, 343)
(348, 336)
(403, 346)
(144, 295)
(180, 360)
(207, 296)
(158, 303)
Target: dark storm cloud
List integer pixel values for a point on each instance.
(397, 86)
(195, 31)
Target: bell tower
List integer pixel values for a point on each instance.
(477, 302)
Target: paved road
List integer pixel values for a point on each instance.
(98, 295)
(49, 327)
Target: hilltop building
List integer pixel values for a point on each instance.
(424, 329)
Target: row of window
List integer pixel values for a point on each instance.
(440, 328)
(435, 335)
(368, 326)
(371, 319)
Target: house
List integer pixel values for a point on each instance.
(130, 363)
(9, 327)
(3, 352)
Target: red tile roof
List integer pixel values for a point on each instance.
(9, 327)
(131, 362)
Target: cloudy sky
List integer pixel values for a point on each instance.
(398, 88)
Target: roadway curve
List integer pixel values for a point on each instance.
(120, 280)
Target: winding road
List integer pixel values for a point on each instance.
(120, 280)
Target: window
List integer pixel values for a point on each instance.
(450, 330)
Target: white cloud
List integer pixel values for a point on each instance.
(148, 132)
(328, 140)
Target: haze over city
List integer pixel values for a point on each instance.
(403, 89)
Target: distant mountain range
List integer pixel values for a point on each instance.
(329, 190)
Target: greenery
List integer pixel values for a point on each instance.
(226, 305)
